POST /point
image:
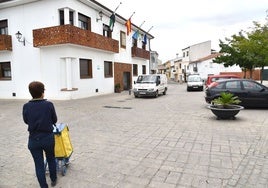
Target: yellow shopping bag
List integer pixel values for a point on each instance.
(63, 145)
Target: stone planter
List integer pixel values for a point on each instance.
(228, 112)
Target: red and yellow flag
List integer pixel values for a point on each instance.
(128, 25)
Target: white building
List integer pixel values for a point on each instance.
(196, 51)
(205, 66)
(198, 59)
(192, 53)
(178, 75)
(153, 66)
(70, 47)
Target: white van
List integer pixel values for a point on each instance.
(150, 85)
(195, 82)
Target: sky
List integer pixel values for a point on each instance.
(179, 24)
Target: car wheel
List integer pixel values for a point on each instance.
(156, 94)
(165, 92)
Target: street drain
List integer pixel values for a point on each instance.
(126, 107)
(118, 107)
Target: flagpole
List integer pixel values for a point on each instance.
(141, 24)
(131, 15)
(150, 29)
(117, 7)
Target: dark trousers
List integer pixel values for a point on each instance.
(37, 148)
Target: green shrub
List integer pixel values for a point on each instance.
(226, 99)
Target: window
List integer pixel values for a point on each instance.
(3, 27)
(143, 69)
(108, 69)
(233, 85)
(144, 42)
(5, 71)
(134, 42)
(220, 86)
(85, 68)
(107, 32)
(71, 17)
(122, 39)
(135, 70)
(251, 86)
(187, 53)
(143, 46)
(84, 22)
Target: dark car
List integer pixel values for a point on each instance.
(250, 92)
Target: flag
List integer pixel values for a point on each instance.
(112, 20)
(136, 35)
(145, 39)
(128, 25)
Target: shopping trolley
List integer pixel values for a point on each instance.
(63, 147)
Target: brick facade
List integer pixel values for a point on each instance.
(70, 34)
(256, 74)
(119, 69)
(139, 52)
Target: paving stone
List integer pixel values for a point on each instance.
(169, 141)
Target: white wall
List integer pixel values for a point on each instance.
(47, 64)
(200, 50)
(207, 67)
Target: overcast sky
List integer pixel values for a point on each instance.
(179, 24)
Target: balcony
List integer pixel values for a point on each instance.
(139, 52)
(69, 34)
(5, 42)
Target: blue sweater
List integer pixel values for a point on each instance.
(39, 115)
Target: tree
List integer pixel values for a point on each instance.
(259, 45)
(233, 54)
(247, 49)
(243, 44)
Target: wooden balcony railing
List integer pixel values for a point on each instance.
(69, 34)
(139, 52)
(5, 42)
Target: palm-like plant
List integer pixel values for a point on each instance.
(225, 99)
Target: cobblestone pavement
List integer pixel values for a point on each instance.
(165, 142)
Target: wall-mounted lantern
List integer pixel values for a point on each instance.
(19, 37)
(100, 16)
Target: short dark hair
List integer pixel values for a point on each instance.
(36, 89)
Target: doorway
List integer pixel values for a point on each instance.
(126, 80)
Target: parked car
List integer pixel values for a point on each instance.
(213, 78)
(250, 92)
(150, 85)
(195, 82)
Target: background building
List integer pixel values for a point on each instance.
(205, 67)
